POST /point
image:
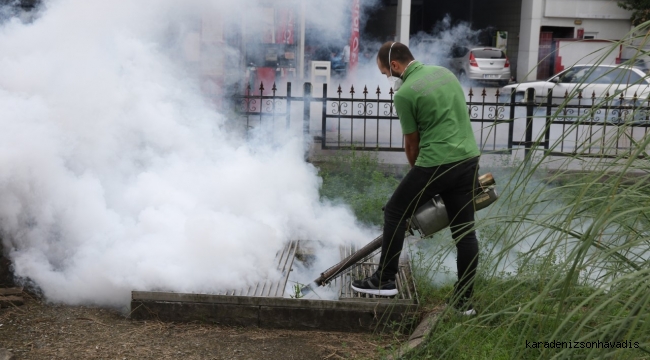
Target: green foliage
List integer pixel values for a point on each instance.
(356, 179)
(297, 291)
(640, 10)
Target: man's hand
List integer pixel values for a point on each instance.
(412, 146)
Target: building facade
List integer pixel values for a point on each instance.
(533, 27)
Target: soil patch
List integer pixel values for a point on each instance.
(38, 330)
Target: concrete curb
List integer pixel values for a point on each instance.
(375, 315)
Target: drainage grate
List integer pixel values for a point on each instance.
(404, 280)
(265, 304)
(272, 287)
(342, 283)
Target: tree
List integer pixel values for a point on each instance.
(640, 10)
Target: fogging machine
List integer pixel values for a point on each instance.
(427, 220)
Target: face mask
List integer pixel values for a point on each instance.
(395, 81)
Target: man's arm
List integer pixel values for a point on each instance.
(412, 146)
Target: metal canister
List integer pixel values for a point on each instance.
(432, 216)
(487, 192)
(486, 179)
(485, 198)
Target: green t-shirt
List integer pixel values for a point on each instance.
(431, 101)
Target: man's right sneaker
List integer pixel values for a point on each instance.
(371, 285)
(463, 306)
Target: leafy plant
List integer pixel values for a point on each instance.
(640, 10)
(356, 179)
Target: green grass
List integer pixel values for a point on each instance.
(356, 179)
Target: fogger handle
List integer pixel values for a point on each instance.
(359, 255)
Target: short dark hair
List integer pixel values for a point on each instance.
(399, 53)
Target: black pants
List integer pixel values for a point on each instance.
(455, 183)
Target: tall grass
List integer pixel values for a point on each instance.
(565, 260)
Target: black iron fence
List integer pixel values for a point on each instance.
(367, 120)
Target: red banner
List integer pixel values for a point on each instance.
(285, 27)
(354, 36)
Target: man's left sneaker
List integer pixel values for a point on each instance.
(463, 306)
(373, 286)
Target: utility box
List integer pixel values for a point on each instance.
(321, 72)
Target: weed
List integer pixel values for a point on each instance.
(355, 178)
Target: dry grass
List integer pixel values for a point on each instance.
(44, 331)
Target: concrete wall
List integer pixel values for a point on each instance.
(531, 19)
(584, 9)
(605, 29)
(502, 15)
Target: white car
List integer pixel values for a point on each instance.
(589, 81)
(480, 64)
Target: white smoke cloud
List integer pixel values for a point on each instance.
(434, 47)
(118, 175)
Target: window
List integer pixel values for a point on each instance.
(573, 75)
(459, 51)
(590, 35)
(607, 75)
(488, 54)
(599, 75)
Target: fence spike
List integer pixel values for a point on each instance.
(274, 88)
(498, 93)
(607, 94)
(566, 94)
(593, 95)
(471, 92)
(365, 90)
(621, 97)
(391, 92)
(579, 94)
(483, 94)
(378, 92)
(339, 91)
(635, 96)
(352, 89)
(261, 86)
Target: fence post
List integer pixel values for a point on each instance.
(511, 127)
(306, 113)
(323, 140)
(530, 110)
(288, 106)
(549, 121)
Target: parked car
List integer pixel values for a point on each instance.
(589, 80)
(481, 63)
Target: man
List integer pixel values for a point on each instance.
(442, 151)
